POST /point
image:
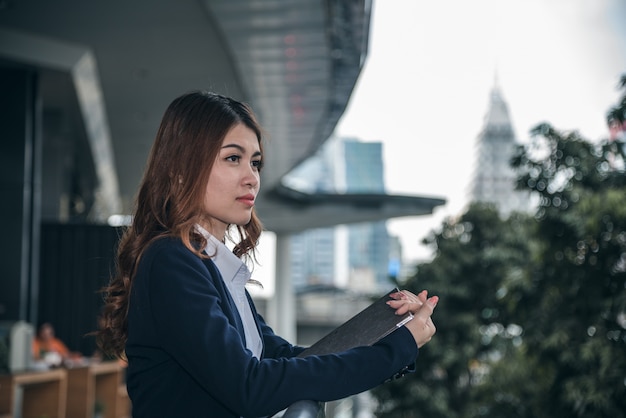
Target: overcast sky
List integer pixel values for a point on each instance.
(425, 87)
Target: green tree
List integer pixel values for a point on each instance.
(532, 317)
(571, 301)
(473, 254)
(616, 116)
(573, 305)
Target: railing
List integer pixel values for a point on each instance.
(306, 409)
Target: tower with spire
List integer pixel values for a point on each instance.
(493, 179)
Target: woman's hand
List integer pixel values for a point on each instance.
(421, 326)
(405, 301)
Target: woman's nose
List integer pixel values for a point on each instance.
(252, 177)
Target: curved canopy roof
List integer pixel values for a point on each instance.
(295, 62)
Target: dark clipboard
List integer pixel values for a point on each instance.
(365, 328)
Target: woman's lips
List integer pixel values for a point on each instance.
(247, 199)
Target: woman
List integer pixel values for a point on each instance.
(177, 308)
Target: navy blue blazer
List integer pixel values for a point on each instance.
(187, 355)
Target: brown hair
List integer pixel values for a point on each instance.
(171, 195)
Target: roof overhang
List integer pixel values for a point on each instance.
(295, 62)
(319, 210)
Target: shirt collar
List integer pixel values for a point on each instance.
(227, 263)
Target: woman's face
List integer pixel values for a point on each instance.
(233, 182)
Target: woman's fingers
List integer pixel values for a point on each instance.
(427, 308)
(405, 301)
(422, 326)
(422, 296)
(409, 296)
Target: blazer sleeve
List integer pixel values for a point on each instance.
(196, 325)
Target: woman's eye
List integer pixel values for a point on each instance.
(233, 158)
(258, 164)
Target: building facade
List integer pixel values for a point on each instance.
(354, 256)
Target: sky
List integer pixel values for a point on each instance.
(424, 89)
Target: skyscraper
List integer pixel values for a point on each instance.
(368, 243)
(342, 166)
(493, 179)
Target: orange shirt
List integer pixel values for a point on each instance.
(42, 347)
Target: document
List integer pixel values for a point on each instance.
(365, 328)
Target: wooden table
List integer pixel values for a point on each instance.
(101, 383)
(33, 394)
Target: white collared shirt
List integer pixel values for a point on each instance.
(235, 275)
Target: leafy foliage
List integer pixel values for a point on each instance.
(474, 253)
(571, 308)
(532, 316)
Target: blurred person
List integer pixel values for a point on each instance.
(47, 348)
(177, 308)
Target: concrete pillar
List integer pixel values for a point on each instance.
(282, 307)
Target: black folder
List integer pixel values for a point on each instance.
(365, 328)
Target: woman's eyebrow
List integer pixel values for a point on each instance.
(240, 148)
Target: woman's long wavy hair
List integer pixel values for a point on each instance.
(170, 201)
